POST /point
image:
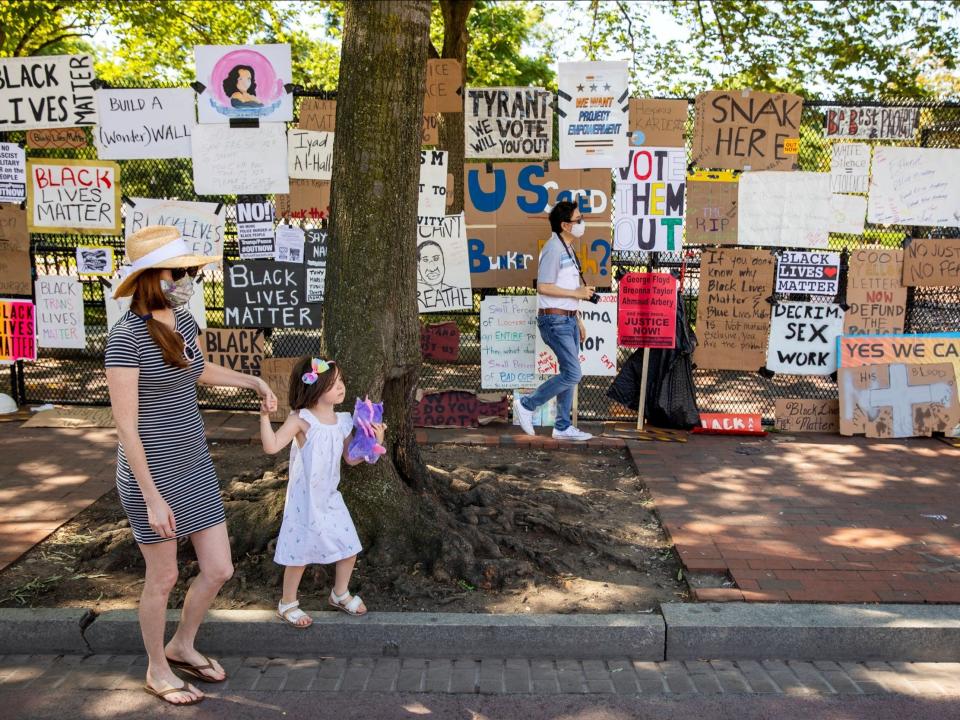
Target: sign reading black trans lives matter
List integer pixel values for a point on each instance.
(46, 92)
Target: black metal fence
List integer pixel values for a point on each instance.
(77, 377)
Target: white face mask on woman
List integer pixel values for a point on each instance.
(578, 229)
(177, 292)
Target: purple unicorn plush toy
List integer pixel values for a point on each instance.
(364, 445)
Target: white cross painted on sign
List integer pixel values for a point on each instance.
(900, 396)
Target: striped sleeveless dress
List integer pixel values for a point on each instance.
(171, 430)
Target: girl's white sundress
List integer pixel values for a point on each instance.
(317, 527)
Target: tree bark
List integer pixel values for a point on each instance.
(456, 40)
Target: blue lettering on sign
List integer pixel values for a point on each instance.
(478, 261)
(526, 183)
(482, 200)
(510, 260)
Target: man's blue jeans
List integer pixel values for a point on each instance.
(562, 335)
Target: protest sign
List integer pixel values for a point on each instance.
(307, 200)
(931, 262)
(731, 423)
(16, 277)
(143, 123)
(444, 87)
(649, 200)
(46, 92)
(289, 243)
(244, 81)
(507, 220)
(746, 130)
(66, 138)
(458, 408)
(787, 209)
(94, 260)
(240, 160)
(73, 196)
(876, 123)
(432, 199)
(201, 224)
(657, 123)
(72, 417)
(732, 315)
(17, 330)
(240, 350)
(847, 213)
(317, 114)
(593, 105)
(509, 122)
(255, 227)
(262, 293)
(59, 312)
(13, 173)
(598, 350)
(309, 154)
(315, 256)
(116, 308)
(508, 330)
(13, 228)
(712, 211)
(440, 341)
(430, 130)
(276, 372)
(803, 338)
(443, 270)
(806, 415)
(811, 273)
(647, 311)
(876, 298)
(915, 186)
(849, 167)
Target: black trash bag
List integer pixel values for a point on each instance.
(671, 396)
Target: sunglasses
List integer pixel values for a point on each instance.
(178, 273)
(190, 352)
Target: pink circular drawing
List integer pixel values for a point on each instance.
(269, 87)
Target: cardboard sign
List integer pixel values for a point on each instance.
(17, 330)
(712, 210)
(647, 311)
(309, 154)
(13, 228)
(432, 200)
(509, 122)
(317, 114)
(443, 269)
(731, 423)
(276, 374)
(240, 350)
(732, 315)
(240, 160)
(593, 105)
(244, 81)
(16, 276)
(444, 88)
(46, 92)
(255, 231)
(316, 244)
(144, 123)
(785, 209)
(807, 415)
(932, 262)
(598, 351)
(847, 213)
(307, 201)
(263, 293)
(13, 173)
(876, 123)
(657, 123)
(59, 312)
(440, 341)
(876, 299)
(430, 130)
(811, 273)
(803, 338)
(72, 417)
(742, 129)
(849, 167)
(915, 186)
(67, 138)
(73, 196)
(95, 260)
(507, 220)
(201, 224)
(458, 408)
(649, 200)
(508, 330)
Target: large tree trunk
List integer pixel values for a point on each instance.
(456, 39)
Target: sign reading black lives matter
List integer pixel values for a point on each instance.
(255, 230)
(263, 293)
(511, 122)
(46, 92)
(315, 256)
(812, 273)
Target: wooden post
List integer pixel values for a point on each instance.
(643, 388)
(576, 405)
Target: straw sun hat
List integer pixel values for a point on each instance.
(156, 246)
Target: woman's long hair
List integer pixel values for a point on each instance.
(147, 297)
(230, 81)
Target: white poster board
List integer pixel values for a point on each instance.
(508, 330)
(141, 123)
(915, 186)
(117, 307)
(649, 201)
(201, 224)
(289, 241)
(594, 106)
(847, 213)
(508, 122)
(803, 338)
(432, 200)
(309, 154)
(240, 161)
(47, 91)
(244, 81)
(443, 264)
(59, 312)
(13, 173)
(598, 352)
(785, 209)
(849, 167)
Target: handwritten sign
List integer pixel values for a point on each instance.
(876, 123)
(317, 114)
(316, 243)
(458, 408)
(59, 312)
(66, 138)
(443, 270)
(440, 341)
(508, 330)
(73, 196)
(712, 211)
(647, 311)
(262, 293)
(310, 154)
(847, 213)
(240, 350)
(17, 333)
(143, 123)
(786, 209)
(598, 350)
(876, 298)
(444, 87)
(46, 92)
(307, 201)
(732, 315)
(511, 122)
(276, 374)
(13, 173)
(849, 167)
(803, 338)
(15, 272)
(741, 129)
(432, 199)
(932, 262)
(731, 423)
(593, 106)
(649, 200)
(807, 415)
(430, 130)
(240, 160)
(657, 123)
(811, 273)
(201, 224)
(915, 186)
(255, 227)
(94, 260)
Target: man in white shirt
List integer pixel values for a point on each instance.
(559, 292)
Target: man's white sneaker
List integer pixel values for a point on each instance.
(523, 416)
(571, 433)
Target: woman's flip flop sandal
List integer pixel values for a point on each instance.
(162, 694)
(196, 671)
(348, 606)
(292, 614)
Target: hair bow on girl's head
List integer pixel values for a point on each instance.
(318, 368)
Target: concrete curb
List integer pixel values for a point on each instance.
(43, 631)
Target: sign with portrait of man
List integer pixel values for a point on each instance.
(443, 269)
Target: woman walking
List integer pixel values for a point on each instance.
(165, 477)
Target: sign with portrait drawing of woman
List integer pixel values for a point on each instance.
(244, 81)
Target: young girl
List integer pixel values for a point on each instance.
(317, 527)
